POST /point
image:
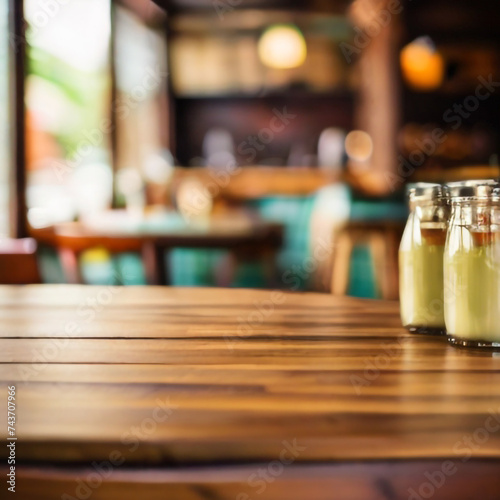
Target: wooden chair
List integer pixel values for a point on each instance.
(262, 244)
(382, 240)
(70, 242)
(18, 262)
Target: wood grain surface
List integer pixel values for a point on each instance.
(196, 388)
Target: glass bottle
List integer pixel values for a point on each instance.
(421, 260)
(472, 264)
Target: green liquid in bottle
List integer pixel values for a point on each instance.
(472, 287)
(421, 286)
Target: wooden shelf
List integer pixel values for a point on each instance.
(259, 181)
(274, 94)
(299, 5)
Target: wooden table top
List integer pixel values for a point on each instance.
(174, 377)
(165, 223)
(168, 229)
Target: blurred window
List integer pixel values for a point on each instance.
(68, 90)
(140, 104)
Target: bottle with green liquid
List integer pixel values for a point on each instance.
(472, 264)
(421, 260)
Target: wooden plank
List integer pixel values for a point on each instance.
(179, 297)
(223, 448)
(417, 353)
(189, 422)
(352, 481)
(306, 379)
(256, 398)
(151, 312)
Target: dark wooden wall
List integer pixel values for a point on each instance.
(245, 116)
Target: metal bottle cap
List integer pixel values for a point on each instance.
(481, 188)
(425, 191)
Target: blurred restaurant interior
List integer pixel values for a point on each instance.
(242, 143)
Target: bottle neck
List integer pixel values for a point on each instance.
(432, 211)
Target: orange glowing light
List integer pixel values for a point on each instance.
(422, 66)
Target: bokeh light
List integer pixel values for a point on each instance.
(194, 201)
(358, 145)
(282, 46)
(422, 65)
